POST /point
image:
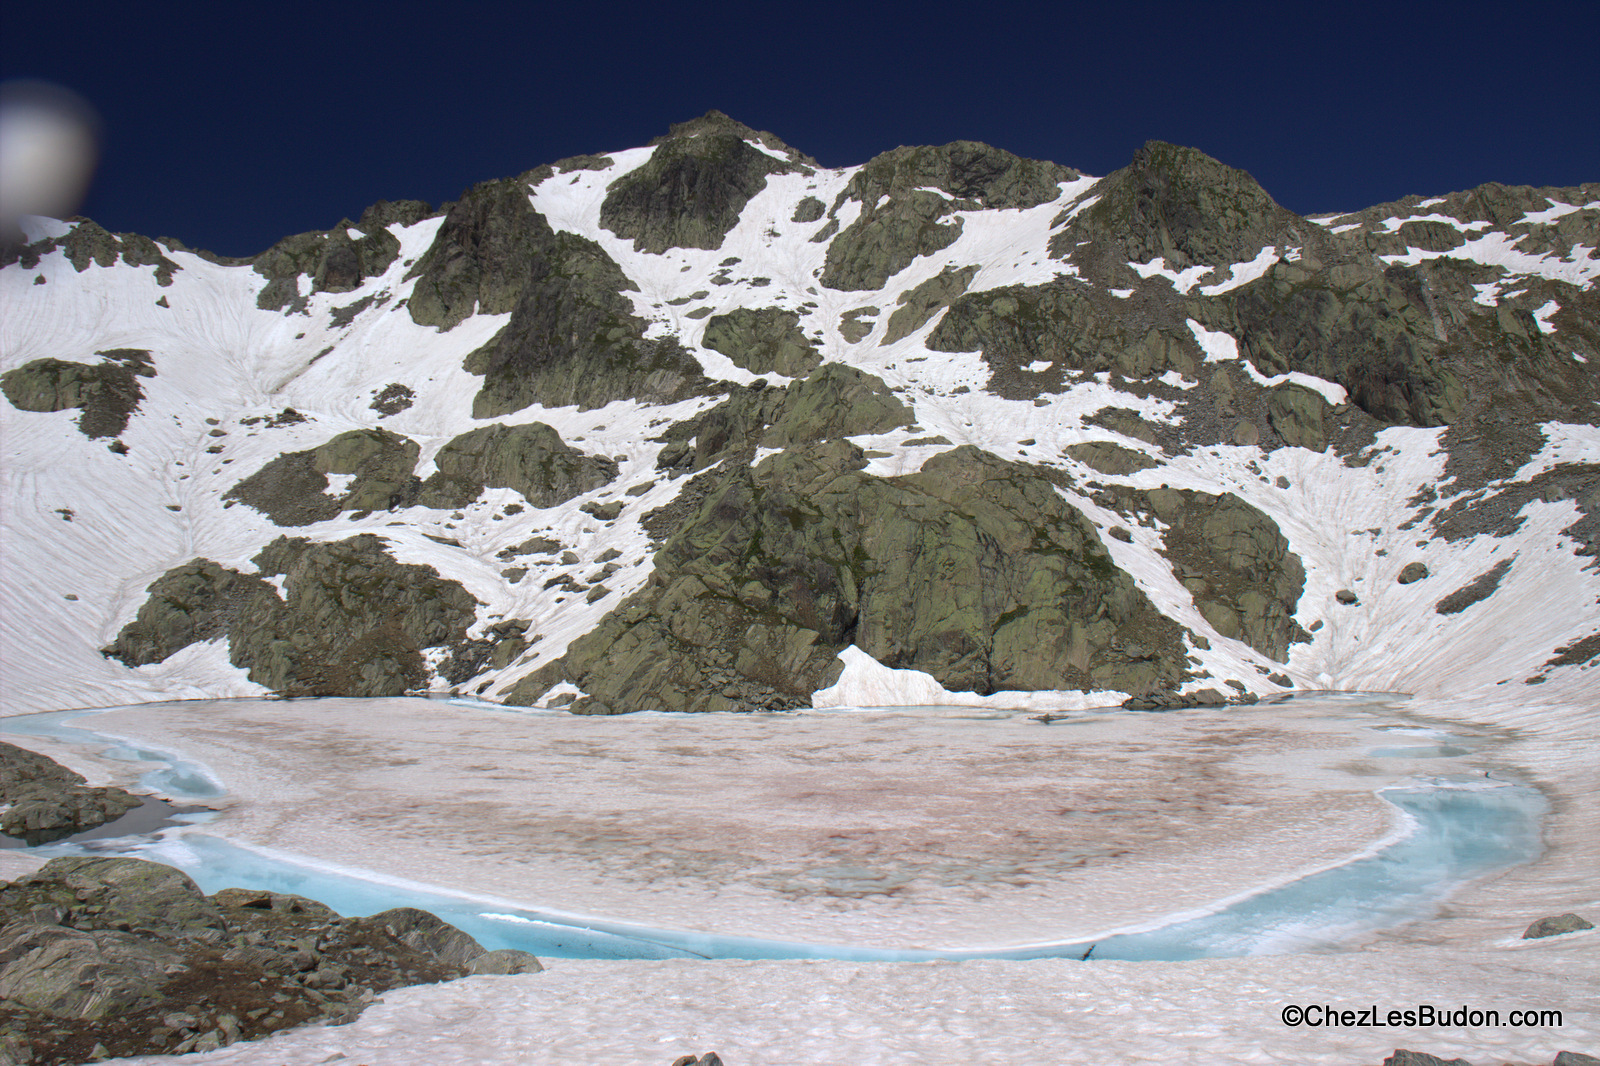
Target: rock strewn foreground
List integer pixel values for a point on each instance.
(103, 957)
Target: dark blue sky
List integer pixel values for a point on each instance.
(231, 125)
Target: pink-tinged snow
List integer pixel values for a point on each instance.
(713, 822)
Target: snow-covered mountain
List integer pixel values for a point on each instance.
(706, 426)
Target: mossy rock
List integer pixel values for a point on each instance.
(331, 259)
(834, 401)
(809, 209)
(572, 338)
(479, 260)
(1060, 324)
(354, 621)
(189, 604)
(763, 341)
(1235, 562)
(901, 218)
(1181, 205)
(1371, 337)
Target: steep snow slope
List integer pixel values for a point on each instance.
(1004, 307)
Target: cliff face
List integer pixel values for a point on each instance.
(674, 426)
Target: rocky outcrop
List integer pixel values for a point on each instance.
(1477, 590)
(332, 260)
(479, 262)
(1056, 324)
(572, 337)
(107, 393)
(1180, 205)
(1555, 926)
(1296, 414)
(88, 244)
(353, 621)
(974, 570)
(1355, 325)
(103, 957)
(531, 459)
(833, 401)
(763, 341)
(41, 800)
(901, 217)
(189, 604)
(1231, 557)
(917, 305)
(691, 191)
(1109, 458)
(292, 489)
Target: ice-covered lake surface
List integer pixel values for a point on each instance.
(1359, 835)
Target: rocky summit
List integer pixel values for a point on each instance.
(678, 427)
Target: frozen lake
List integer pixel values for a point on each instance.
(888, 834)
(960, 832)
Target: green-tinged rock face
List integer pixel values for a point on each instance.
(572, 337)
(480, 260)
(900, 216)
(1358, 328)
(921, 303)
(189, 604)
(809, 209)
(1296, 415)
(974, 570)
(107, 393)
(974, 175)
(81, 976)
(1235, 563)
(353, 623)
(532, 459)
(129, 892)
(1020, 326)
(885, 240)
(690, 193)
(331, 260)
(1181, 205)
(834, 401)
(764, 341)
(1109, 458)
(292, 489)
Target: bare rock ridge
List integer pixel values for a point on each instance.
(977, 415)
